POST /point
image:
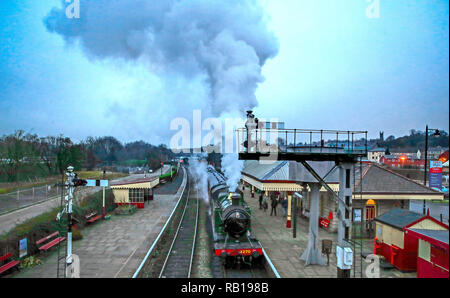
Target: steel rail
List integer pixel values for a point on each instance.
(162, 230)
(176, 234)
(251, 270)
(195, 237)
(272, 267)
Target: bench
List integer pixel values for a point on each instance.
(50, 244)
(93, 217)
(8, 265)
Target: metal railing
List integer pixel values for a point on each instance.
(263, 140)
(26, 197)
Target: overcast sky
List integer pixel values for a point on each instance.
(335, 69)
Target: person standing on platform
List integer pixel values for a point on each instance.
(265, 205)
(274, 203)
(260, 200)
(284, 204)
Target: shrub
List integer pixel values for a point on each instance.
(125, 210)
(76, 235)
(30, 262)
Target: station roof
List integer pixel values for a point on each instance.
(378, 180)
(433, 236)
(289, 171)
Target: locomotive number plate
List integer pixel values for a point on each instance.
(245, 252)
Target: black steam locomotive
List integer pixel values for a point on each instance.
(231, 224)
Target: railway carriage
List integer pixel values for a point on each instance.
(233, 239)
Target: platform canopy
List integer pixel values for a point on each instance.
(286, 175)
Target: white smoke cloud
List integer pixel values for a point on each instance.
(232, 167)
(220, 45)
(223, 42)
(198, 172)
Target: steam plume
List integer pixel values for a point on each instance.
(219, 45)
(224, 42)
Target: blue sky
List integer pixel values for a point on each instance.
(336, 69)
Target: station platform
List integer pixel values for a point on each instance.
(114, 248)
(284, 250)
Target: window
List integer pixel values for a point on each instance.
(136, 195)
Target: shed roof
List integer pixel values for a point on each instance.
(399, 218)
(438, 235)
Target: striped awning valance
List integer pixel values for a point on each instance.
(138, 185)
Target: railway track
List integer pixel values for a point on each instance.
(179, 259)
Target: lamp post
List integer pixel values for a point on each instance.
(436, 134)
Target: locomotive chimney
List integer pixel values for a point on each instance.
(234, 198)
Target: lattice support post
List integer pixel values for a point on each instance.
(313, 254)
(344, 252)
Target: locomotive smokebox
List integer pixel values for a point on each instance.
(235, 218)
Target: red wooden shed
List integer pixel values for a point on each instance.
(432, 256)
(392, 241)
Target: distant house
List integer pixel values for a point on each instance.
(399, 161)
(444, 157)
(375, 154)
(393, 241)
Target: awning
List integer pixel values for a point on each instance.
(136, 184)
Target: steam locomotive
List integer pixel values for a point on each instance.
(230, 215)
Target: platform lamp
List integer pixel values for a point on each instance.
(435, 134)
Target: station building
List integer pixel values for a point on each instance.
(376, 189)
(381, 190)
(134, 192)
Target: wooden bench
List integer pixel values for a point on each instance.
(50, 244)
(93, 217)
(8, 265)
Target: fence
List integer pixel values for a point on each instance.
(26, 197)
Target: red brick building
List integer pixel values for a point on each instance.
(401, 161)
